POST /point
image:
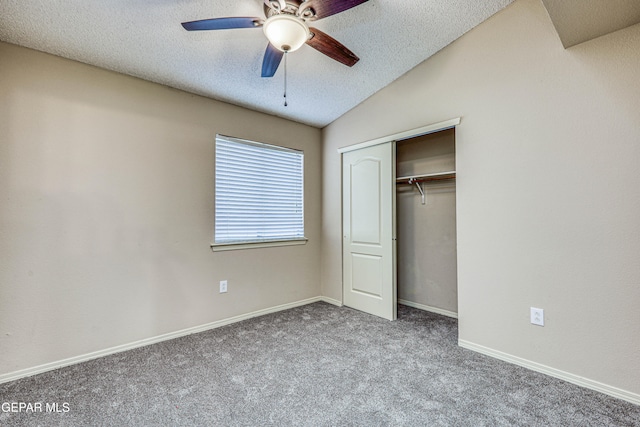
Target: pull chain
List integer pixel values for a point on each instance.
(285, 78)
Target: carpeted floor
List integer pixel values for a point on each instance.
(316, 365)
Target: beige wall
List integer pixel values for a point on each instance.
(547, 188)
(106, 192)
(426, 243)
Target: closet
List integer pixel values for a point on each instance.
(399, 222)
(426, 222)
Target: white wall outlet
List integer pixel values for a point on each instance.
(537, 316)
(223, 286)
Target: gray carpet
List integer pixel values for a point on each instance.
(316, 365)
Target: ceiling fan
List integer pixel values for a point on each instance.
(287, 30)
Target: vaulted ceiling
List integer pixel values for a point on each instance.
(144, 38)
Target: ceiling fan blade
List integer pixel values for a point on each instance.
(223, 23)
(331, 47)
(271, 61)
(324, 8)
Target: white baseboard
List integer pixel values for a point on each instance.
(428, 308)
(553, 372)
(331, 301)
(12, 376)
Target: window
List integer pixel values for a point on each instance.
(258, 194)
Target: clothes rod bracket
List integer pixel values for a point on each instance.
(418, 184)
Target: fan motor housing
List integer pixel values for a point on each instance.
(292, 7)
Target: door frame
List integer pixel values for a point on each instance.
(400, 136)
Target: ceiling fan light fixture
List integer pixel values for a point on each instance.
(286, 32)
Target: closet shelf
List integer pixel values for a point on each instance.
(426, 177)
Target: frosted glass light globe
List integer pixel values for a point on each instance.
(286, 32)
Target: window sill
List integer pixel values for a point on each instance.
(218, 247)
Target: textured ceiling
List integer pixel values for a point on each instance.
(143, 38)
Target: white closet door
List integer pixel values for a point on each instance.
(368, 221)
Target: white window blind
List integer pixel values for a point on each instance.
(259, 192)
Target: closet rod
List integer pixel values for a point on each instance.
(428, 177)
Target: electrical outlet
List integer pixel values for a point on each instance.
(537, 316)
(223, 286)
